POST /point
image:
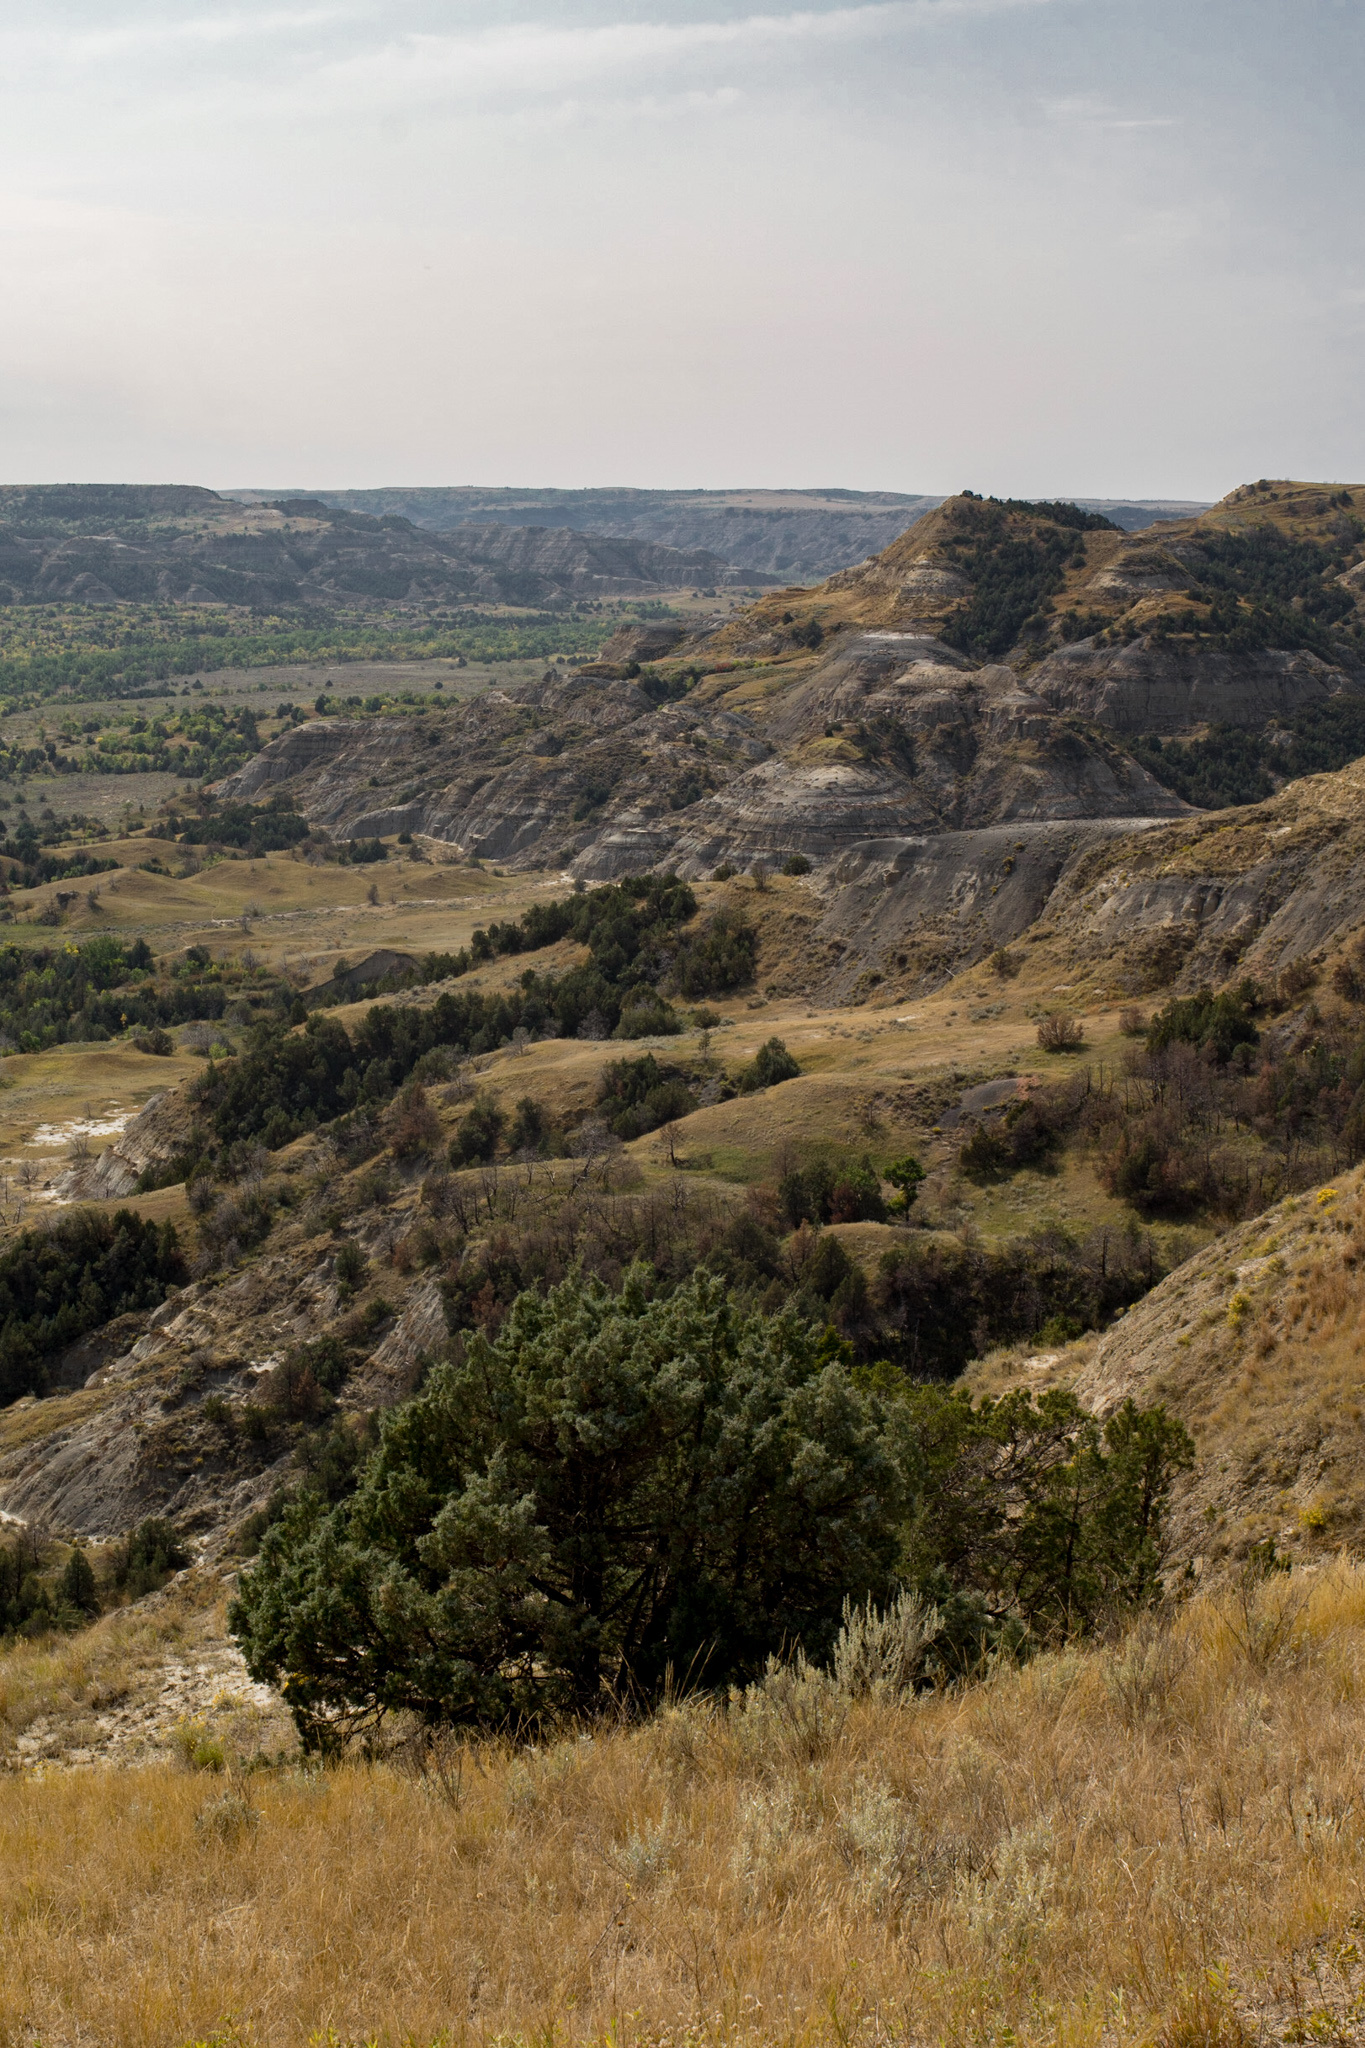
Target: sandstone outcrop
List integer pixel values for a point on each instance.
(153, 1137)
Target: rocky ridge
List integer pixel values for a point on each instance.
(593, 778)
(134, 1438)
(1218, 895)
(795, 535)
(1123, 631)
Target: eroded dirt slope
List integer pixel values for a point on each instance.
(1257, 1342)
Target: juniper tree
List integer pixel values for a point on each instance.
(77, 1588)
(618, 1485)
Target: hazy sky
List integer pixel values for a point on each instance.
(1098, 246)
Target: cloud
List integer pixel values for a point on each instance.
(147, 36)
(355, 55)
(1089, 112)
(529, 63)
(275, 72)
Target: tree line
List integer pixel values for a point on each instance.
(56, 995)
(1233, 766)
(1015, 554)
(37, 1597)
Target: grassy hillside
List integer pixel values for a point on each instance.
(1155, 1840)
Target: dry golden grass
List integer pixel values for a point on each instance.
(303, 918)
(857, 1065)
(295, 909)
(28, 1420)
(1258, 1344)
(1156, 1841)
(121, 1689)
(75, 1084)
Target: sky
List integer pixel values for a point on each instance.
(1102, 247)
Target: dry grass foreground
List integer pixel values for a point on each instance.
(1156, 1841)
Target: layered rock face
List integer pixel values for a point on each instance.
(134, 1443)
(152, 1137)
(1171, 688)
(914, 912)
(892, 752)
(532, 777)
(1221, 894)
(891, 734)
(972, 744)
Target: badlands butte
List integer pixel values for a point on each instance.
(1020, 769)
(949, 733)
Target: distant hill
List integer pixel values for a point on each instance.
(798, 535)
(84, 505)
(110, 543)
